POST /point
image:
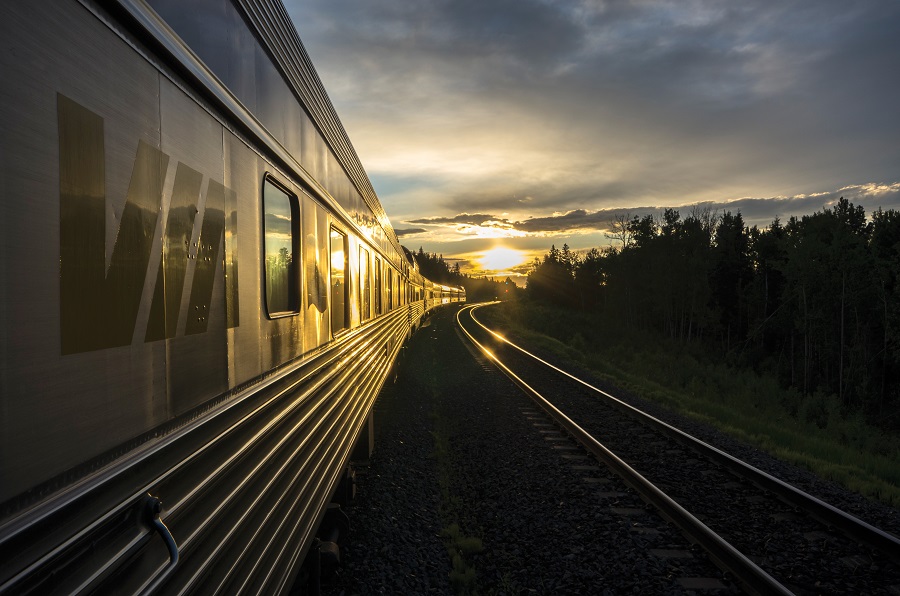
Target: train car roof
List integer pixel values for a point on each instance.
(410, 256)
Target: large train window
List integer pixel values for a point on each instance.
(365, 284)
(378, 287)
(339, 304)
(282, 239)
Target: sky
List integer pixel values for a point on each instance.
(493, 129)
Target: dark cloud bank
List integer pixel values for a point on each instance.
(755, 211)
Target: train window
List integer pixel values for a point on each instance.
(339, 304)
(396, 289)
(378, 287)
(365, 284)
(390, 288)
(282, 237)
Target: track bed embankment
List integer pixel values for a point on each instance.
(470, 487)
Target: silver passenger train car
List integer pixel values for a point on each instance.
(201, 297)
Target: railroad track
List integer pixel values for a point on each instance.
(771, 536)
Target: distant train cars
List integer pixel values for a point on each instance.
(201, 298)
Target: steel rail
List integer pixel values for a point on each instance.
(753, 578)
(828, 514)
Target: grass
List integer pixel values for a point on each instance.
(460, 546)
(809, 431)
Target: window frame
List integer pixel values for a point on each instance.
(365, 284)
(346, 277)
(389, 283)
(294, 289)
(379, 287)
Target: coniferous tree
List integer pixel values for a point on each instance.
(815, 301)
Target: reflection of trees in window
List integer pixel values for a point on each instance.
(282, 221)
(278, 274)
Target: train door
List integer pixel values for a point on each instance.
(340, 319)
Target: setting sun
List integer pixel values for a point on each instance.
(501, 258)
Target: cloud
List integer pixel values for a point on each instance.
(475, 219)
(755, 211)
(409, 231)
(278, 225)
(870, 196)
(544, 117)
(573, 220)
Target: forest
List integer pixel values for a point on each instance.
(478, 289)
(814, 302)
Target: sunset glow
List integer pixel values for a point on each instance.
(501, 258)
(490, 232)
(337, 259)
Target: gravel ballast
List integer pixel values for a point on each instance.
(471, 489)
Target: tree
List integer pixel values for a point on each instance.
(551, 279)
(589, 279)
(620, 229)
(730, 275)
(885, 246)
(815, 300)
(642, 230)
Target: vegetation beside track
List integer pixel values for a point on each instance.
(461, 547)
(805, 430)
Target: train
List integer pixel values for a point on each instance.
(202, 297)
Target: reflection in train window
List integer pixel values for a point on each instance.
(365, 285)
(282, 221)
(390, 288)
(378, 287)
(339, 318)
(396, 290)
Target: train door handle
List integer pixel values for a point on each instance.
(152, 509)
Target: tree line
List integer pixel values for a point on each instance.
(815, 301)
(478, 289)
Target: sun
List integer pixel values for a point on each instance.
(501, 258)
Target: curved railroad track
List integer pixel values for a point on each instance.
(771, 536)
